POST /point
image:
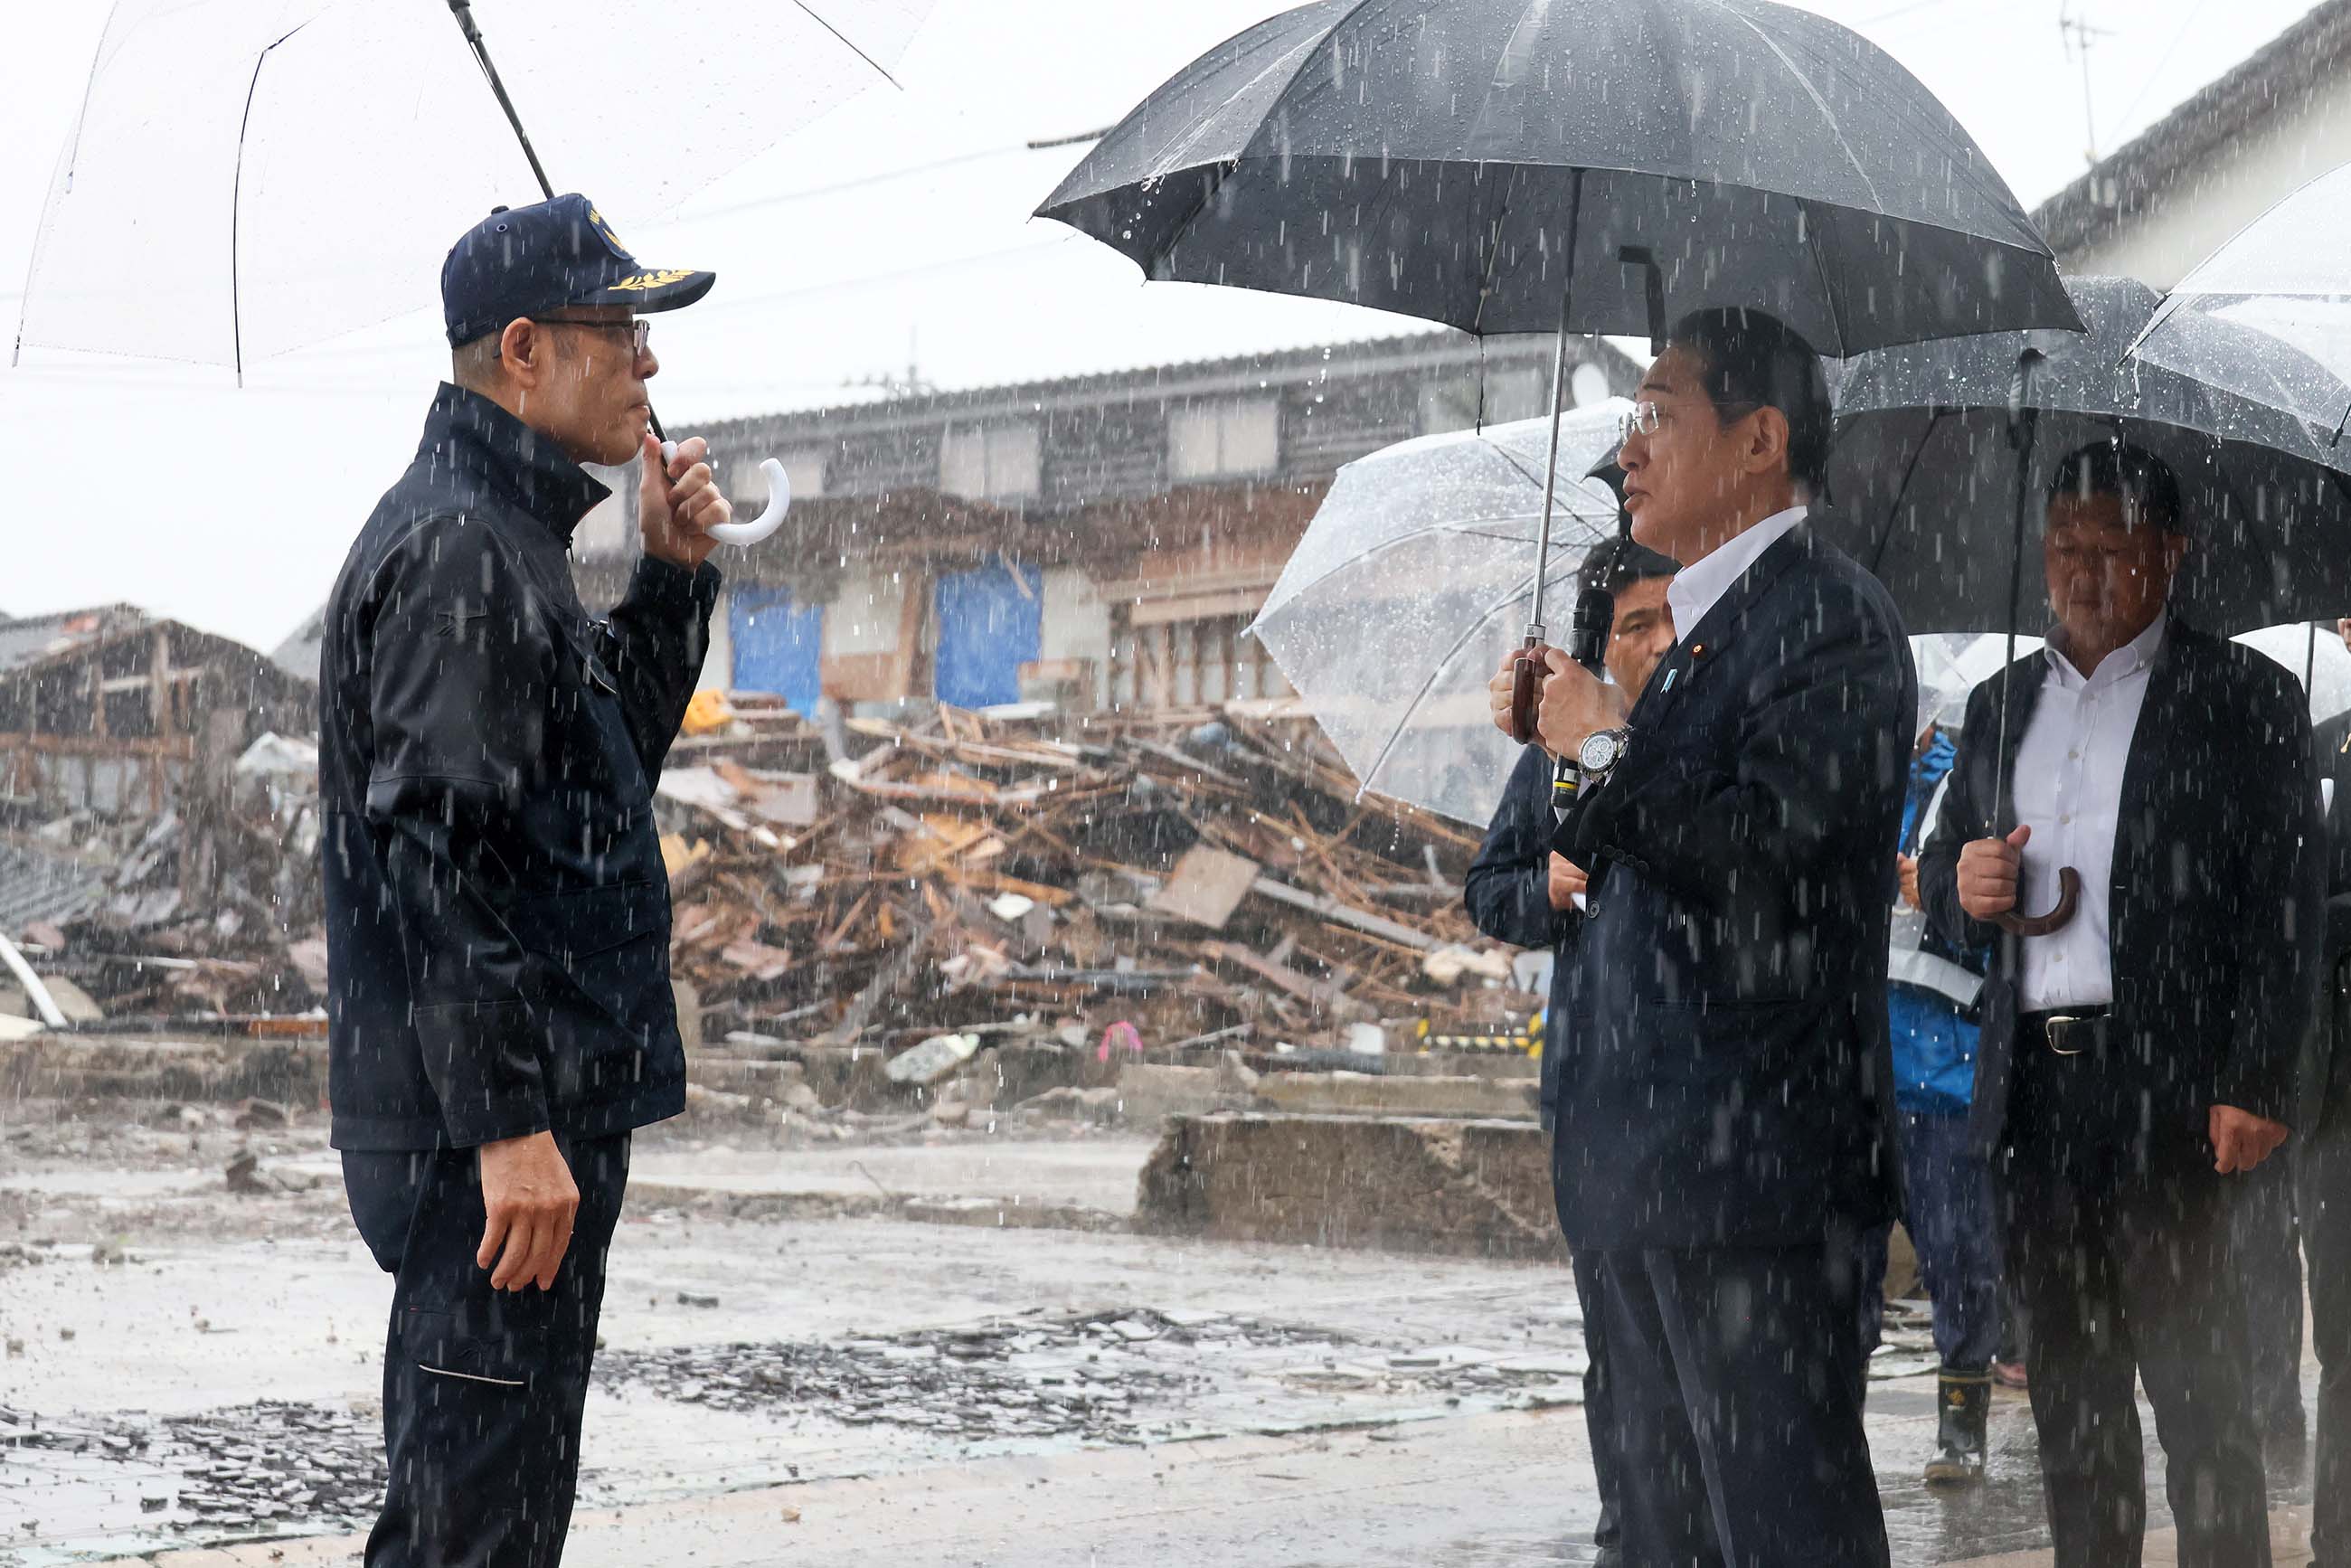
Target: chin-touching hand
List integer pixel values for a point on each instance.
(678, 502)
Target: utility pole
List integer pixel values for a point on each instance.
(911, 385)
(2079, 36)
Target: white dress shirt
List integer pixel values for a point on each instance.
(1696, 587)
(2068, 788)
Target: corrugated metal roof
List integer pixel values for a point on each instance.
(38, 886)
(298, 654)
(1284, 366)
(36, 637)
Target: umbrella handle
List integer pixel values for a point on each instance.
(780, 501)
(1526, 672)
(2069, 897)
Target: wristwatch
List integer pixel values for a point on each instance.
(1602, 750)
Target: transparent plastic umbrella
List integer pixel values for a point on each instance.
(1410, 585)
(251, 176)
(2316, 654)
(2283, 283)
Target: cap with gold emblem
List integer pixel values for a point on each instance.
(521, 261)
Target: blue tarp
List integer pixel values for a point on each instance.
(990, 624)
(778, 645)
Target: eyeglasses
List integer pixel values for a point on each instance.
(1641, 419)
(640, 329)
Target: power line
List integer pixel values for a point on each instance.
(813, 192)
(1973, 11)
(1042, 143)
(905, 171)
(871, 278)
(296, 358)
(1897, 11)
(2148, 84)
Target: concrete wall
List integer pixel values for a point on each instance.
(1076, 625)
(2195, 215)
(719, 656)
(1467, 1188)
(864, 614)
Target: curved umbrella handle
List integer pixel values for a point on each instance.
(780, 501)
(2069, 898)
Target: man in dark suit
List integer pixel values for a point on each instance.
(1520, 890)
(2322, 1172)
(2139, 1055)
(1725, 1087)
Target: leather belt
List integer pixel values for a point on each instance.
(2071, 1031)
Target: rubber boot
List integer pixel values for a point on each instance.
(1963, 1401)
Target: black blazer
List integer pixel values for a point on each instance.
(1725, 1075)
(1507, 893)
(2332, 742)
(2330, 1034)
(2213, 917)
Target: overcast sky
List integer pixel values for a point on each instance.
(894, 232)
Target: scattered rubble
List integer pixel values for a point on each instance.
(275, 1462)
(1033, 1377)
(133, 920)
(894, 883)
(1141, 886)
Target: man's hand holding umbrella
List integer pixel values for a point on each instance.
(1576, 704)
(679, 502)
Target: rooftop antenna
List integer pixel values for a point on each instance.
(911, 384)
(2080, 37)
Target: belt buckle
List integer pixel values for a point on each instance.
(2056, 1026)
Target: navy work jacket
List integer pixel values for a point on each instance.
(1508, 894)
(497, 913)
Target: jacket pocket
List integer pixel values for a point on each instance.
(608, 946)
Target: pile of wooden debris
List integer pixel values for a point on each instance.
(1210, 883)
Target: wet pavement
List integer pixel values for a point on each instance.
(188, 1369)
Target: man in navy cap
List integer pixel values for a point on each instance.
(500, 1016)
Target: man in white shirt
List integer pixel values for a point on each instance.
(2143, 1052)
(1724, 1092)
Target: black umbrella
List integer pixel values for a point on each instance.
(1570, 165)
(1934, 440)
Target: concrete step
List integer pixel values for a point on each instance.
(1362, 1094)
(1467, 1188)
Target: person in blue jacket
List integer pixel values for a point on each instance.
(1931, 998)
(1520, 892)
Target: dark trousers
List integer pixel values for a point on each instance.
(2119, 1244)
(481, 1389)
(1948, 1211)
(2269, 1262)
(1734, 1381)
(2324, 1173)
(1599, 1412)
